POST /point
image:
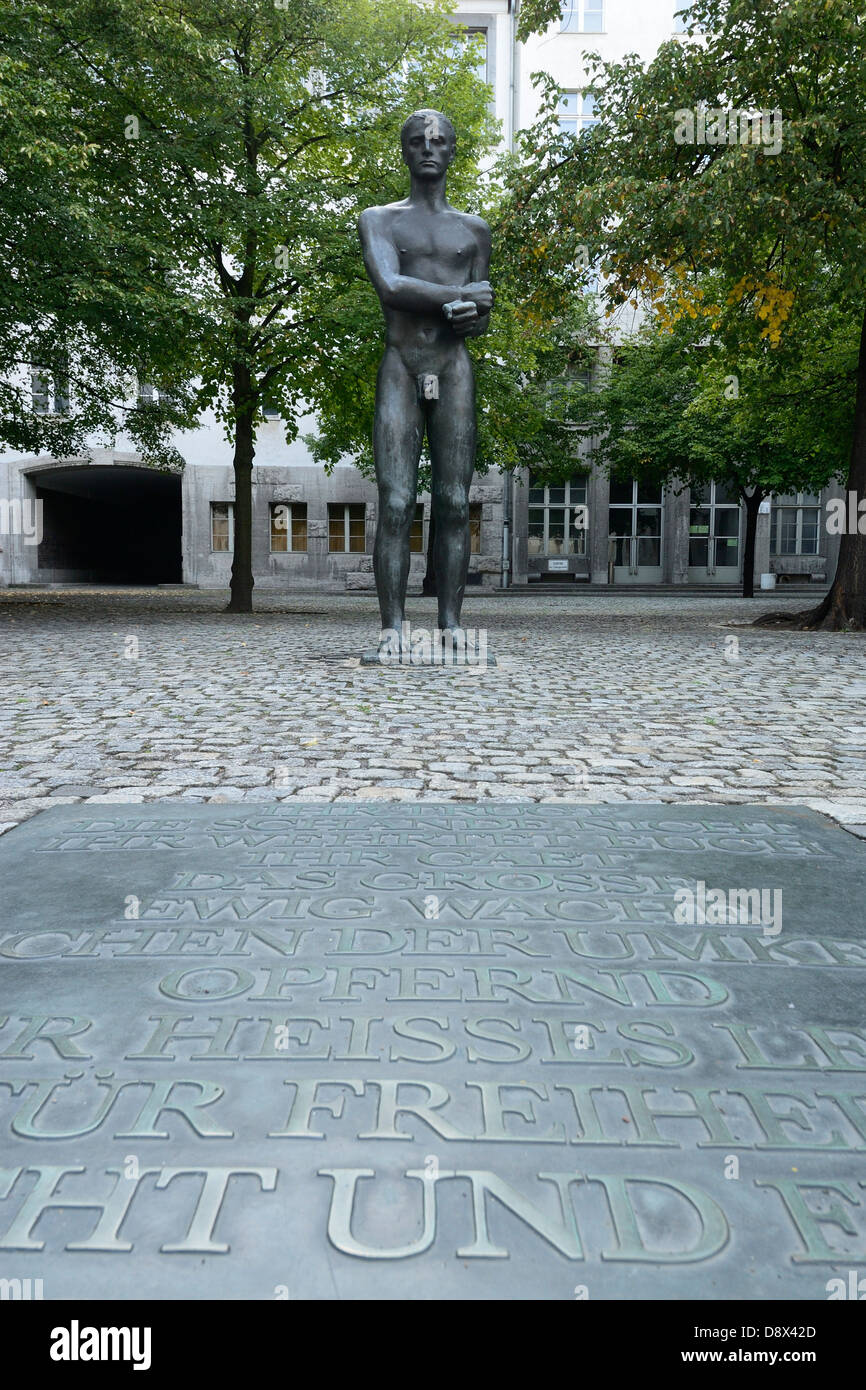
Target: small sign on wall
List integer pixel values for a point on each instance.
(557, 565)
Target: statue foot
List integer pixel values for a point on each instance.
(393, 642)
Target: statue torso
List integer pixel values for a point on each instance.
(434, 246)
(439, 247)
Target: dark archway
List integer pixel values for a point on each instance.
(109, 525)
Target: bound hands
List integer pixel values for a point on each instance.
(475, 303)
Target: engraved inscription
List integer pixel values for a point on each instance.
(325, 1037)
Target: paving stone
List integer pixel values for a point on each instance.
(75, 789)
(121, 794)
(849, 813)
(629, 695)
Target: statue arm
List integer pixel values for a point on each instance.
(398, 291)
(480, 272)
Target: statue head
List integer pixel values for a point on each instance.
(429, 143)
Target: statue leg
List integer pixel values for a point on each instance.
(398, 434)
(451, 432)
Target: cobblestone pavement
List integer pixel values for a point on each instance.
(142, 695)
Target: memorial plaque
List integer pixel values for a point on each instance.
(291, 1051)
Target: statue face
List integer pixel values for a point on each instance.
(428, 147)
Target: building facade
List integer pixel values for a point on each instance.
(108, 519)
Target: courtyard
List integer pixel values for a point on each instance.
(135, 695)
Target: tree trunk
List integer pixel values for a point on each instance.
(752, 502)
(845, 604)
(242, 563)
(428, 587)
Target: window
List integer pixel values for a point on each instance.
(270, 411)
(61, 395)
(560, 393)
(475, 528)
(222, 526)
(50, 394)
(416, 535)
(478, 40)
(552, 529)
(148, 394)
(795, 524)
(575, 113)
(347, 526)
(41, 387)
(288, 526)
(582, 17)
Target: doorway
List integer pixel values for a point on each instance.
(635, 530)
(714, 535)
(108, 524)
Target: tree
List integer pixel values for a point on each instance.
(79, 300)
(739, 151)
(679, 408)
(250, 134)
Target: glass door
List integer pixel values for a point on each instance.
(714, 535)
(635, 532)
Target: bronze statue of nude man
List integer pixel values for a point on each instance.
(429, 265)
